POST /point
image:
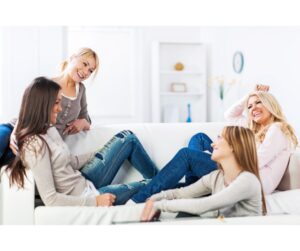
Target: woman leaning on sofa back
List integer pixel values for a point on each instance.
(80, 66)
(275, 137)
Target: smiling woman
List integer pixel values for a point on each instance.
(275, 137)
(74, 116)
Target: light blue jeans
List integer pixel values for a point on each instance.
(102, 169)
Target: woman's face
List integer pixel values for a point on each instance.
(81, 68)
(258, 112)
(56, 108)
(221, 149)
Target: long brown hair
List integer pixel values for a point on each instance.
(273, 106)
(242, 141)
(34, 120)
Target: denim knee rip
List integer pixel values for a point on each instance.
(123, 135)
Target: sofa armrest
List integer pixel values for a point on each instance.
(16, 205)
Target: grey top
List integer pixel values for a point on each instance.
(242, 197)
(72, 110)
(57, 174)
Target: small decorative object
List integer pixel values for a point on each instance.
(189, 119)
(178, 87)
(238, 62)
(179, 66)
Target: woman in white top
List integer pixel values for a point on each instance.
(275, 138)
(235, 187)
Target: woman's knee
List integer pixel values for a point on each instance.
(183, 151)
(126, 135)
(200, 135)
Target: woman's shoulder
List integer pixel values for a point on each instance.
(249, 177)
(276, 128)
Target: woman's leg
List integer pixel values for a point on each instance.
(200, 142)
(123, 192)
(5, 152)
(186, 160)
(125, 145)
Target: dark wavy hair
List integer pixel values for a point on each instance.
(34, 119)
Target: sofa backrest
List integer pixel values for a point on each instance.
(162, 141)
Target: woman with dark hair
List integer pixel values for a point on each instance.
(56, 170)
(74, 117)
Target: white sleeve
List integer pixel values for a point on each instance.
(244, 187)
(78, 161)
(274, 142)
(200, 188)
(37, 158)
(235, 114)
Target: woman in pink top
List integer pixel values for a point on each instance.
(275, 138)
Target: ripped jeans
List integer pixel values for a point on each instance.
(102, 169)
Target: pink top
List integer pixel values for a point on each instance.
(273, 153)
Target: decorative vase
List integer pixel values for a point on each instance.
(189, 118)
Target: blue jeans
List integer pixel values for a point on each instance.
(102, 169)
(6, 153)
(190, 161)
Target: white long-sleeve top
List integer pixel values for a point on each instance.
(57, 174)
(273, 153)
(242, 197)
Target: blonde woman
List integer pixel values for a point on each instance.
(74, 116)
(235, 186)
(275, 138)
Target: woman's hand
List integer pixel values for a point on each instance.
(263, 88)
(106, 199)
(77, 126)
(149, 212)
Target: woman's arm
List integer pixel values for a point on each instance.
(37, 158)
(244, 187)
(235, 112)
(78, 161)
(274, 143)
(200, 188)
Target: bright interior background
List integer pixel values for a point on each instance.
(121, 92)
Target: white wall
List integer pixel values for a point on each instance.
(272, 56)
(26, 52)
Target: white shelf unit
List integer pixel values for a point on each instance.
(169, 106)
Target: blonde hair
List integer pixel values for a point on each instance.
(242, 141)
(82, 52)
(272, 105)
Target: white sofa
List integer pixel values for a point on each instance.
(161, 141)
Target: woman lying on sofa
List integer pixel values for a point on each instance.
(235, 187)
(275, 140)
(56, 171)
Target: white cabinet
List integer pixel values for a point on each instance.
(174, 90)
